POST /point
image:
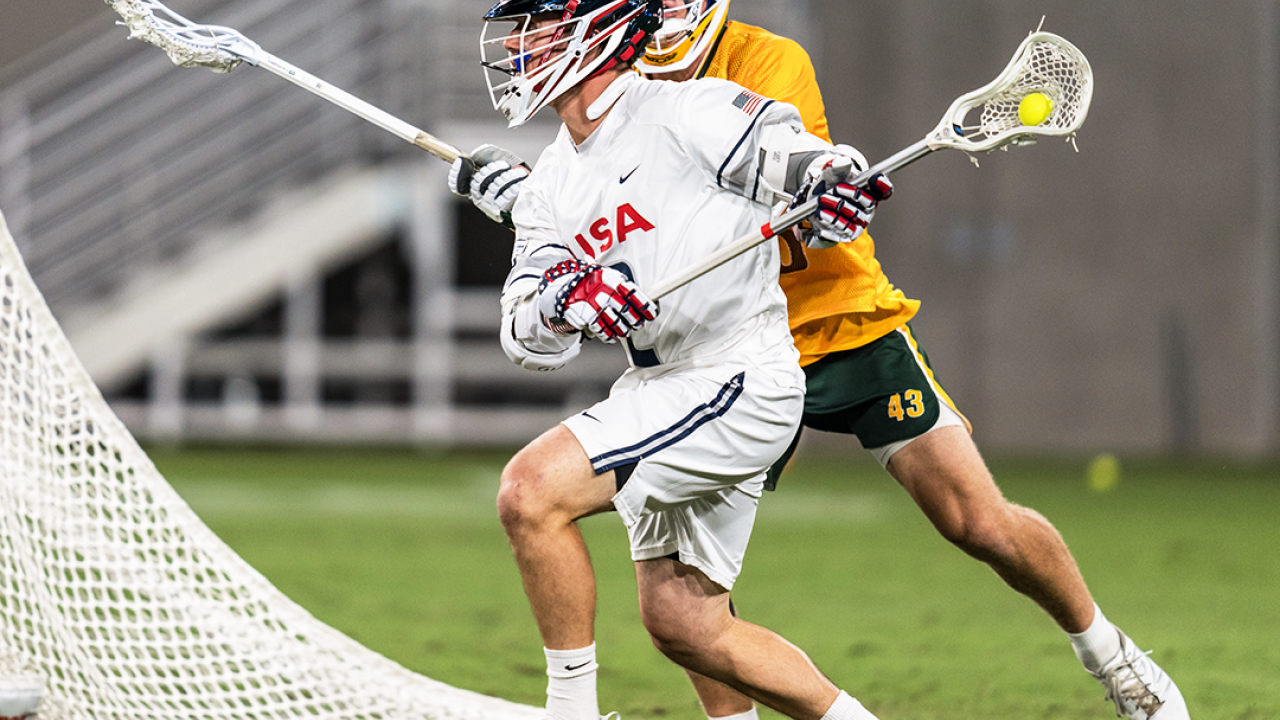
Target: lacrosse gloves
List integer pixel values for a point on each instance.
(491, 177)
(843, 210)
(598, 301)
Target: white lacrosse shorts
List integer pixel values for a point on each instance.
(691, 447)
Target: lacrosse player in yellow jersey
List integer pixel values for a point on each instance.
(867, 376)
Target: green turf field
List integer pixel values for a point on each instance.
(403, 551)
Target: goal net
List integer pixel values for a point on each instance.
(124, 603)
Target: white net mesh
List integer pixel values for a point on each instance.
(1050, 69)
(187, 44)
(114, 592)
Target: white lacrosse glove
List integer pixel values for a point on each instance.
(599, 301)
(491, 177)
(843, 210)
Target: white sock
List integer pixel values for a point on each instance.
(1097, 644)
(847, 708)
(571, 684)
(748, 715)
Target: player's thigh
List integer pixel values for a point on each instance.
(942, 469)
(886, 393)
(553, 475)
(678, 601)
(946, 476)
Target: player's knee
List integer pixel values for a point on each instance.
(522, 501)
(974, 538)
(980, 529)
(967, 512)
(682, 635)
(676, 649)
(672, 636)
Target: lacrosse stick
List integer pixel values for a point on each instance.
(222, 49)
(1044, 63)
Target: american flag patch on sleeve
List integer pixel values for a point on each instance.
(748, 102)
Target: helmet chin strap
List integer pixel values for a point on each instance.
(601, 105)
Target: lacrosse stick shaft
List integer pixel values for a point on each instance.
(783, 222)
(356, 106)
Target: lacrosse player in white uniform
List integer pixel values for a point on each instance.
(644, 179)
(695, 37)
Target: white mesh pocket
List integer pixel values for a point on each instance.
(1049, 70)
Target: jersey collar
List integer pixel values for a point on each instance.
(601, 105)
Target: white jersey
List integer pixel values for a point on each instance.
(664, 181)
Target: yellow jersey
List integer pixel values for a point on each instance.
(838, 298)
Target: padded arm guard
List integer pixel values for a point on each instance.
(785, 155)
(526, 340)
(529, 344)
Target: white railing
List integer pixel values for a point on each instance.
(115, 165)
(111, 157)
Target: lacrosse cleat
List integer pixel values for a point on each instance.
(1138, 687)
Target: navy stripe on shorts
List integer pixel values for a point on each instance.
(669, 436)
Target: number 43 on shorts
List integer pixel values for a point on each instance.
(906, 404)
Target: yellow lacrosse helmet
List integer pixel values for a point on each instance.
(687, 30)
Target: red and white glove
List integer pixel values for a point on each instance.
(844, 211)
(599, 301)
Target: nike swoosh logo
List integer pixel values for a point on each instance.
(627, 177)
(576, 667)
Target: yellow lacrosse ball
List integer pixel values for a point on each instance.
(1034, 109)
(1103, 473)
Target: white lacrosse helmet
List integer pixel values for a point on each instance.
(687, 31)
(526, 67)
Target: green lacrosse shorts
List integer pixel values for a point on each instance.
(884, 392)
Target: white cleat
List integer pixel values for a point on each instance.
(1139, 688)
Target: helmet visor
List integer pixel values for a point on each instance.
(521, 55)
(678, 22)
(531, 59)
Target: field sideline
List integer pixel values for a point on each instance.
(402, 551)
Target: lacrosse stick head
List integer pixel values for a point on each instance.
(1044, 63)
(188, 44)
